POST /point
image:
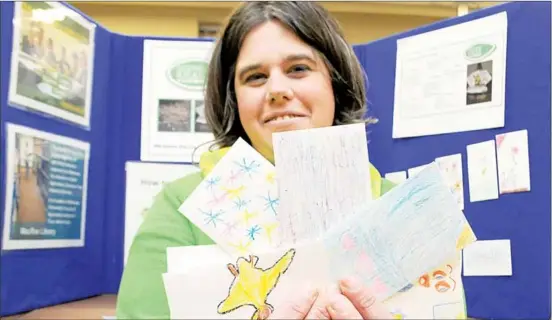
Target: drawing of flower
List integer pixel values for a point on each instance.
(271, 203)
(248, 166)
(212, 217)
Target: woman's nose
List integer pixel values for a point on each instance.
(279, 90)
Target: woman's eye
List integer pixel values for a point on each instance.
(255, 77)
(299, 68)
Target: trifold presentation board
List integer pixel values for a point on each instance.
(81, 255)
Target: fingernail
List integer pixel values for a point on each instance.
(313, 294)
(349, 284)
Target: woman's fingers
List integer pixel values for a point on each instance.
(341, 308)
(298, 308)
(319, 310)
(363, 300)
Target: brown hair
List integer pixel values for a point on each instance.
(313, 25)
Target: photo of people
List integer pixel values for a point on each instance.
(174, 115)
(479, 86)
(45, 190)
(200, 120)
(51, 70)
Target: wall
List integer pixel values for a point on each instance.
(374, 22)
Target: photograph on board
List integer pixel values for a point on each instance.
(174, 115)
(52, 61)
(174, 127)
(479, 86)
(46, 183)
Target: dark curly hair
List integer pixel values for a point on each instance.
(313, 25)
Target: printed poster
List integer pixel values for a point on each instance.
(46, 183)
(143, 182)
(452, 79)
(52, 61)
(174, 126)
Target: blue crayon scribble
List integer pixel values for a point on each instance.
(253, 231)
(411, 193)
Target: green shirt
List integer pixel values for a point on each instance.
(142, 292)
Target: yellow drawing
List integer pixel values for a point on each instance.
(241, 247)
(234, 193)
(246, 216)
(269, 228)
(252, 285)
(270, 177)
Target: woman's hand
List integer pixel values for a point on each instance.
(349, 300)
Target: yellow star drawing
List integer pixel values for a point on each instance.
(252, 285)
(246, 216)
(269, 228)
(242, 248)
(234, 193)
(270, 177)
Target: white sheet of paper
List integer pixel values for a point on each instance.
(482, 178)
(190, 296)
(451, 168)
(143, 182)
(396, 177)
(437, 294)
(236, 203)
(322, 175)
(488, 258)
(392, 240)
(513, 162)
(173, 116)
(451, 79)
(190, 258)
(415, 170)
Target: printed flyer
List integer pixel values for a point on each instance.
(46, 183)
(52, 61)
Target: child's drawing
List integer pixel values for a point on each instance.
(440, 279)
(451, 169)
(513, 162)
(482, 171)
(252, 285)
(391, 241)
(236, 203)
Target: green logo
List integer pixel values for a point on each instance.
(479, 51)
(189, 75)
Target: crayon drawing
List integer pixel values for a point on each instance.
(236, 203)
(451, 169)
(440, 280)
(252, 285)
(409, 231)
(513, 162)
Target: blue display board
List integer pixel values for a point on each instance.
(524, 218)
(37, 278)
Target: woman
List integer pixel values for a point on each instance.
(278, 66)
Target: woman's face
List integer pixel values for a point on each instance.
(281, 84)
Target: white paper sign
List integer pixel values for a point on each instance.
(173, 115)
(452, 79)
(143, 182)
(488, 258)
(513, 162)
(482, 171)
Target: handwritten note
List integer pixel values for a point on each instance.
(488, 258)
(410, 230)
(323, 174)
(513, 162)
(236, 203)
(482, 179)
(451, 169)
